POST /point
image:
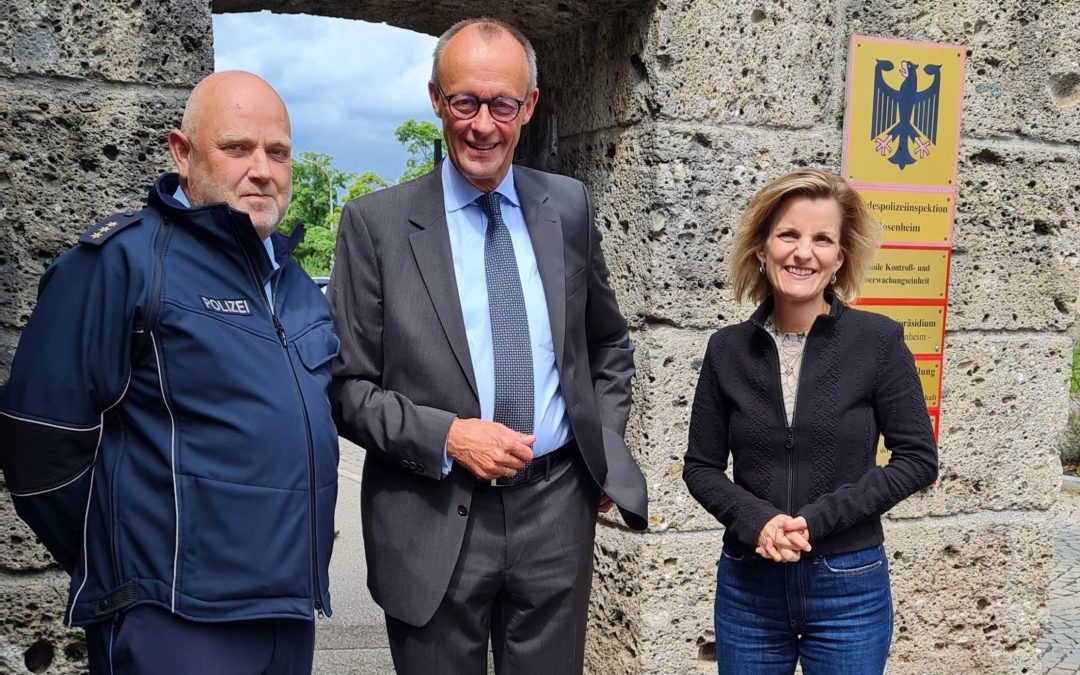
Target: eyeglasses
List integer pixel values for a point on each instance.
(466, 106)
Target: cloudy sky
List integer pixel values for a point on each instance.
(347, 84)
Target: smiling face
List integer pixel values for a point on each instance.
(802, 250)
(235, 147)
(482, 148)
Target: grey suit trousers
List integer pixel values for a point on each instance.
(523, 577)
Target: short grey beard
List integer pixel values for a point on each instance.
(265, 231)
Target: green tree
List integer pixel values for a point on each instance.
(316, 252)
(315, 187)
(419, 141)
(320, 192)
(360, 184)
(316, 184)
(364, 183)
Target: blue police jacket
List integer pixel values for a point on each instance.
(165, 431)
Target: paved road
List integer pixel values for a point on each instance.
(353, 642)
(1061, 643)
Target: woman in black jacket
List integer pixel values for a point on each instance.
(796, 398)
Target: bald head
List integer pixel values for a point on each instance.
(487, 29)
(217, 91)
(234, 146)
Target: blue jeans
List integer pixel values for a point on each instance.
(831, 613)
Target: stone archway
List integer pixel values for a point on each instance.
(673, 112)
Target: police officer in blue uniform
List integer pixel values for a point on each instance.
(166, 430)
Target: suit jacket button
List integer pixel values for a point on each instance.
(420, 468)
(405, 463)
(462, 511)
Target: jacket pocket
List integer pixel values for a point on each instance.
(854, 563)
(240, 543)
(318, 346)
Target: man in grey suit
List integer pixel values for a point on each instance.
(486, 368)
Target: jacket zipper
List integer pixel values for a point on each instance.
(316, 596)
(154, 302)
(789, 429)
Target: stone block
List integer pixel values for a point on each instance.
(678, 194)
(538, 20)
(595, 77)
(1004, 401)
(1016, 256)
(162, 42)
(613, 643)
(607, 162)
(1023, 74)
(969, 593)
(679, 584)
(769, 63)
(652, 604)
(33, 638)
(72, 153)
(668, 362)
(21, 551)
(9, 338)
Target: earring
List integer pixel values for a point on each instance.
(833, 278)
(761, 267)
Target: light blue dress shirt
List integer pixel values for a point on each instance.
(267, 287)
(467, 224)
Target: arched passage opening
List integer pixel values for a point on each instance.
(593, 85)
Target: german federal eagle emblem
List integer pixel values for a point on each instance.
(905, 118)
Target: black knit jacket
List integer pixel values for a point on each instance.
(858, 380)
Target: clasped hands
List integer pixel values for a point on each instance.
(489, 450)
(784, 539)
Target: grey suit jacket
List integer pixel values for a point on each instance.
(404, 372)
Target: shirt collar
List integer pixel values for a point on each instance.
(181, 198)
(459, 193)
(269, 244)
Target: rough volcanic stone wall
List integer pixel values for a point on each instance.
(675, 114)
(88, 91)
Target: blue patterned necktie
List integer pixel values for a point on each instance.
(509, 323)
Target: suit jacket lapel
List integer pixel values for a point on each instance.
(545, 231)
(431, 249)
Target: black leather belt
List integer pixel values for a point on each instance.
(537, 468)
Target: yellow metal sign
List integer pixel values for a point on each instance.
(924, 325)
(883, 453)
(903, 112)
(912, 217)
(917, 274)
(930, 379)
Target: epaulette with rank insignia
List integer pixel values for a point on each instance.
(100, 232)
